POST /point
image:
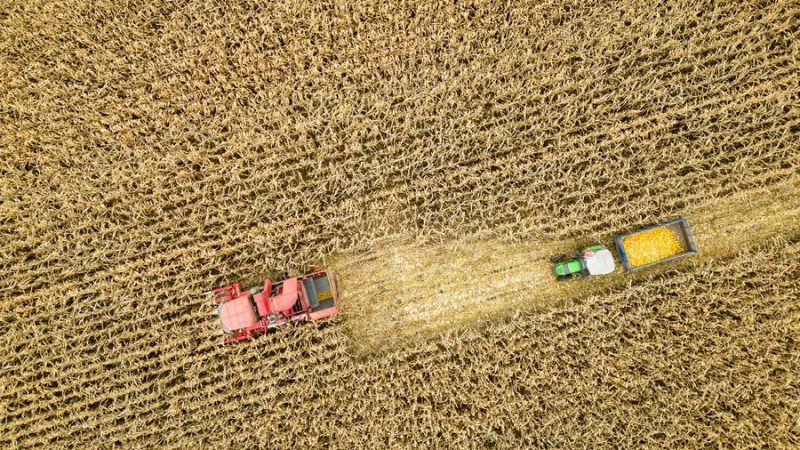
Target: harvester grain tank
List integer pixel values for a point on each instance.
(248, 313)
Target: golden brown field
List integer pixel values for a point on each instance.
(435, 155)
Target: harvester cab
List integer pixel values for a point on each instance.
(244, 314)
(594, 260)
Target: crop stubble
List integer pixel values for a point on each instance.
(151, 152)
(400, 289)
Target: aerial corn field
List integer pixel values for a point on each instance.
(435, 156)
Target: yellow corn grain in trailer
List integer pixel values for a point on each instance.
(655, 244)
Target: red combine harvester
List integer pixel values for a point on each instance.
(254, 311)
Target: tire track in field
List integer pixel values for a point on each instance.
(404, 290)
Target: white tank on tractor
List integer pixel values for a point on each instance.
(594, 260)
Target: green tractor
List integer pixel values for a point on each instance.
(594, 260)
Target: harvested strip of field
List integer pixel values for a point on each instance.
(402, 290)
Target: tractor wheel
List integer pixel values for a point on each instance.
(558, 258)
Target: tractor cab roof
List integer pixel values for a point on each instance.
(599, 262)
